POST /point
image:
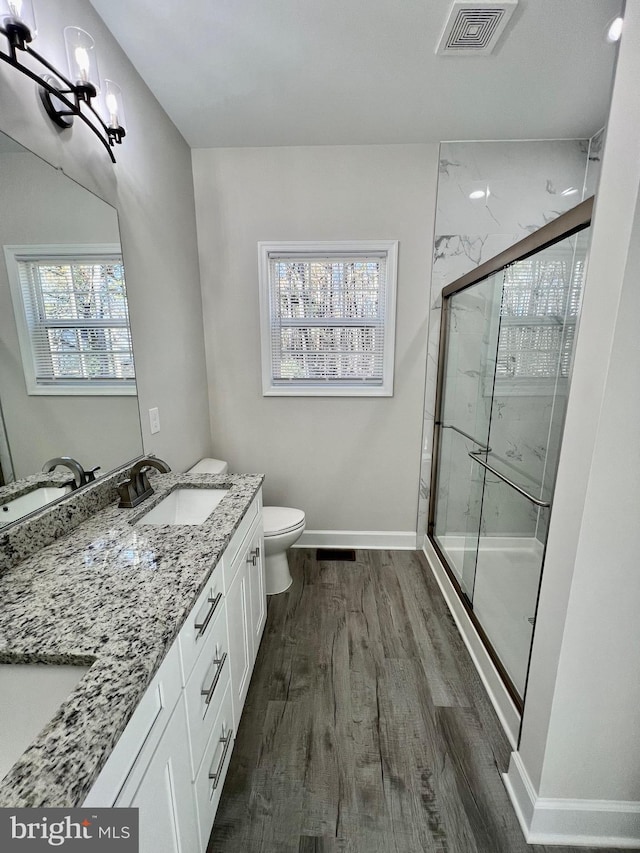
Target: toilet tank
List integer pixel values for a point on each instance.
(209, 466)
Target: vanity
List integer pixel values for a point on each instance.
(164, 620)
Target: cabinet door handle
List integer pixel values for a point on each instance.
(215, 776)
(253, 556)
(219, 662)
(201, 627)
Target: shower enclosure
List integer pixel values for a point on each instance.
(507, 337)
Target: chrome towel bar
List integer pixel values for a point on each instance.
(474, 455)
(485, 448)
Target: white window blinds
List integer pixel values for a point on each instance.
(329, 319)
(540, 305)
(75, 321)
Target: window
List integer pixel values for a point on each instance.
(328, 318)
(72, 317)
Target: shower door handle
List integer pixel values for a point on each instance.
(474, 455)
(484, 447)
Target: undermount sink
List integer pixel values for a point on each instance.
(33, 500)
(30, 695)
(184, 506)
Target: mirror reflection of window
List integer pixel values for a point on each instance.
(73, 320)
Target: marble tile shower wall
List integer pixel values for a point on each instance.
(524, 184)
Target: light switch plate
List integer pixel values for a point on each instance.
(154, 420)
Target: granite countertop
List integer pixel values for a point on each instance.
(18, 488)
(115, 596)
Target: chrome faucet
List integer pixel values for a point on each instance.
(138, 488)
(80, 476)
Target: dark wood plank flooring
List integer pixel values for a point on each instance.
(366, 728)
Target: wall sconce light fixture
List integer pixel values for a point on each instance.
(65, 98)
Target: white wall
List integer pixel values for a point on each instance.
(350, 463)
(576, 769)
(151, 187)
(49, 208)
(598, 670)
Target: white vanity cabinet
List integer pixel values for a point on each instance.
(256, 566)
(247, 608)
(167, 811)
(240, 645)
(173, 756)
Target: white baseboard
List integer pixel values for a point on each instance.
(579, 823)
(388, 540)
(500, 699)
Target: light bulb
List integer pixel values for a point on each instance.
(82, 61)
(16, 16)
(615, 30)
(113, 110)
(112, 104)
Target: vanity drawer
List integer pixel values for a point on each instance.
(230, 563)
(206, 687)
(195, 631)
(129, 758)
(215, 764)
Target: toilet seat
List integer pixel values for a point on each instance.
(281, 519)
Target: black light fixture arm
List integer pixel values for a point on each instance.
(61, 99)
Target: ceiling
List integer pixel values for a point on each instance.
(332, 72)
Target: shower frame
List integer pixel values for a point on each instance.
(571, 222)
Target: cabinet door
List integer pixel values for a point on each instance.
(165, 797)
(127, 763)
(212, 773)
(240, 639)
(257, 592)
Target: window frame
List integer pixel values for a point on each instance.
(14, 254)
(327, 248)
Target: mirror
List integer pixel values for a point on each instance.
(65, 389)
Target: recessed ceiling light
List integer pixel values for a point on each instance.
(477, 194)
(615, 30)
(569, 191)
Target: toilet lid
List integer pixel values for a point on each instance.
(281, 519)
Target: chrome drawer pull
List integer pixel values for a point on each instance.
(253, 556)
(201, 627)
(215, 777)
(219, 662)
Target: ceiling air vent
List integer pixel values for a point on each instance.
(474, 28)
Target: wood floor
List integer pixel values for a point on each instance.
(366, 728)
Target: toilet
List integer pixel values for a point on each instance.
(283, 526)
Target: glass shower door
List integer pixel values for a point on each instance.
(465, 407)
(505, 361)
(537, 320)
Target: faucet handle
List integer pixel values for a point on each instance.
(90, 474)
(142, 484)
(127, 492)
